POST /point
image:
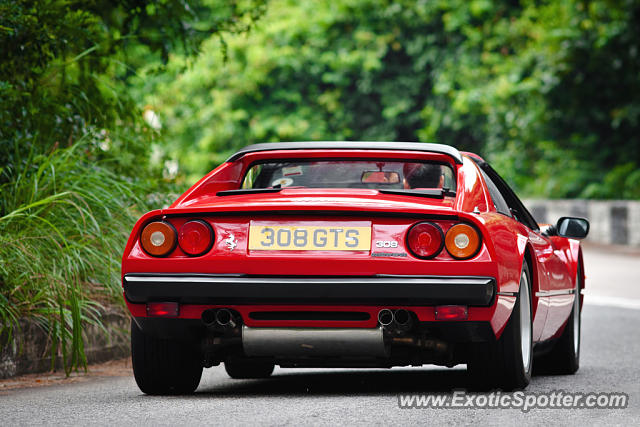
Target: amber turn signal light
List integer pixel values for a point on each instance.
(158, 238)
(462, 241)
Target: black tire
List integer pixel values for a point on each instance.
(164, 366)
(564, 357)
(501, 364)
(244, 369)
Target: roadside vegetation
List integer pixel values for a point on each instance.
(545, 90)
(78, 164)
(65, 218)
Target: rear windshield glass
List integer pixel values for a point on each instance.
(350, 174)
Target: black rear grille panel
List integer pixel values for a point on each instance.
(344, 316)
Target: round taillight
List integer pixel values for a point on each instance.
(425, 240)
(195, 237)
(462, 241)
(158, 238)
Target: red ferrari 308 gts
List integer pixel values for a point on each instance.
(351, 254)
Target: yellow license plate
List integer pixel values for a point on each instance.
(309, 238)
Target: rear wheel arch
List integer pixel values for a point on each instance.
(533, 277)
(580, 276)
(573, 251)
(564, 357)
(507, 363)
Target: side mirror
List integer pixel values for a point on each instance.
(572, 227)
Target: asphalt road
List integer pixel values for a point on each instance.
(610, 349)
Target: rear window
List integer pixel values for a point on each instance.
(350, 174)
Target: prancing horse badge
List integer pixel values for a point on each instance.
(231, 242)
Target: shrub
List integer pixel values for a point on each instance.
(66, 220)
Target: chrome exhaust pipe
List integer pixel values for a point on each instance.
(208, 318)
(218, 319)
(313, 342)
(403, 319)
(385, 317)
(225, 318)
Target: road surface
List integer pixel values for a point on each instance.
(610, 353)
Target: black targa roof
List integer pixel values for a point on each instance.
(351, 145)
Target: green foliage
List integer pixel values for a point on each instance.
(623, 180)
(67, 216)
(75, 153)
(313, 70)
(545, 90)
(67, 65)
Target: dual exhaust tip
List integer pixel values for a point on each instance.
(388, 318)
(221, 317)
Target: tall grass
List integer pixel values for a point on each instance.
(65, 222)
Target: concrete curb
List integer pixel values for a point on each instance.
(613, 222)
(30, 353)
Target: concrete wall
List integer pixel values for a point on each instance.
(29, 352)
(612, 222)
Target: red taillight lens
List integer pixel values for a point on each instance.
(195, 237)
(452, 312)
(158, 238)
(425, 240)
(163, 309)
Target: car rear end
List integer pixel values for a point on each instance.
(305, 277)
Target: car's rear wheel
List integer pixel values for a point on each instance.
(564, 357)
(507, 363)
(162, 366)
(245, 368)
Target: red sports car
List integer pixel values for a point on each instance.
(351, 254)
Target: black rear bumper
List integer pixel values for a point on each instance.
(371, 290)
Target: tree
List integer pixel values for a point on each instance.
(545, 90)
(74, 152)
(68, 64)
